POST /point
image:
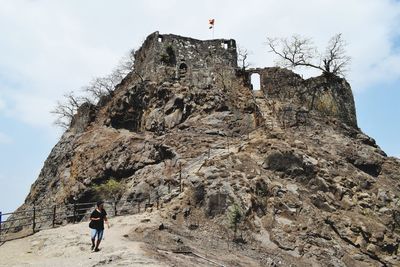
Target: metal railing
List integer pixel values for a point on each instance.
(15, 225)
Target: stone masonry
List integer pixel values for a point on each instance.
(200, 63)
(175, 57)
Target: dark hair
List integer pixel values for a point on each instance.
(99, 203)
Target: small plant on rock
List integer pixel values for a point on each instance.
(235, 217)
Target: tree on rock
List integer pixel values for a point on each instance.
(299, 51)
(243, 55)
(105, 86)
(66, 109)
(111, 190)
(235, 217)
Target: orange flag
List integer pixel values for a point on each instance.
(211, 23)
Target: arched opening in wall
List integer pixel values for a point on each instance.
(182, 70)
(255, 81)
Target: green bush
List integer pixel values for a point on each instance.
(112, 190)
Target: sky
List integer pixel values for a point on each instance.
(48, 48)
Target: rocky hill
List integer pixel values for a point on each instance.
(185, 128)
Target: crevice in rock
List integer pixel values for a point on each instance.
(332, 225)
(162, 153)
(120, 173)
(127, 112)
(372, 256)
(283, 247)
(369, 168)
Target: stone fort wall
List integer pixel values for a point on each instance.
(168, 56)
(164, 57)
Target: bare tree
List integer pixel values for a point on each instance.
(335, 60)
(66, 109)
(296, 51)
(223, 76)
(301, 52)
(103, 86)
(124, 67)
(99, 87)
(242, 58)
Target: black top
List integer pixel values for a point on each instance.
(98, 224)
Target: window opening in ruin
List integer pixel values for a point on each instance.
(160, 39)
(255, 81)
(182, 70)
(224, 45)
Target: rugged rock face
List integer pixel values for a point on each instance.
(312, 188)
(329, 95)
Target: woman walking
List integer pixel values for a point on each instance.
(97, 219)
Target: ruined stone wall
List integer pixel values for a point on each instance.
(175, 57)
(168, 57)
(331, 96)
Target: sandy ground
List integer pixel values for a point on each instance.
(70, 246)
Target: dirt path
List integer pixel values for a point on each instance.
(70, 246)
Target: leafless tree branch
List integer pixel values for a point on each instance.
(66, 109)
(97, 88)
(335, 60)
(104, 86)
(298, 51)
(242, 58)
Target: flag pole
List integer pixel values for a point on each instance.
(213, 29)
(211, 23)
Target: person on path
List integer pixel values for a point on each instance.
(97, 219)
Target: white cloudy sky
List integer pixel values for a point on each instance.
(50, 47)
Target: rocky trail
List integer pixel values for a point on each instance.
(133, 240)
(70, 246)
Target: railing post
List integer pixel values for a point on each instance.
(54, 215)
(34, 218)
(74, 211)
(180, 177)
(0, 223)
(157, 199)
(115, 208)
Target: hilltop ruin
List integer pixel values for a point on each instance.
(185, 129)
(168, 57)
